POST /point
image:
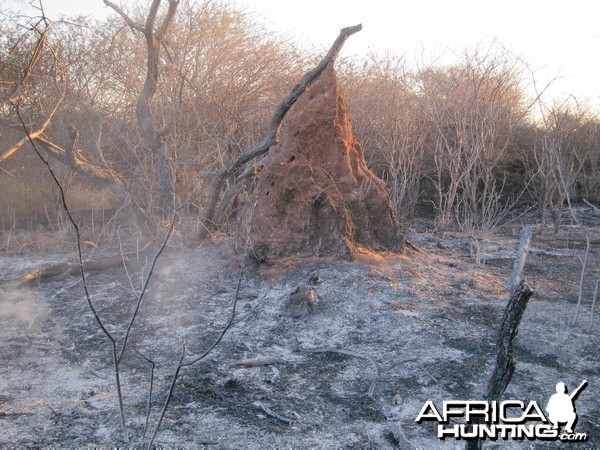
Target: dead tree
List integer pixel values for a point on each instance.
(152, 137)
(505, 359)
(208, 216)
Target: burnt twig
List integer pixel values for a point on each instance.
(269, 412)
(258, 362)
(149, 405)
(168, 399)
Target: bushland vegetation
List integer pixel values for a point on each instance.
(464, 144)
(141, 112)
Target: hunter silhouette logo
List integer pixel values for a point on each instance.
(561, 408)
(508, 419)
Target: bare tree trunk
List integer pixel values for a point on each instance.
(208, 216)
(152, 138)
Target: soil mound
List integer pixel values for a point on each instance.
(315, 194)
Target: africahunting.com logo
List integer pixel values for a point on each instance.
(510, 419)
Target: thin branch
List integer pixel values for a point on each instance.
(168, 399)
(132, 24)
(33, 135)
(148, 277)
(8, 173)
(521, 256)
(594, 207)
(36, 54)
(259, 362)
(81, 270)
(149, 405)
(227, 325)
(124, 261)
(269, 412)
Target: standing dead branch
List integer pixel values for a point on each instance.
(168, 399)
(521, 256)
(594, 304)
(582, 278)
(505, 359)
(272, 137)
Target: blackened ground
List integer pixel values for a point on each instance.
(405, 329)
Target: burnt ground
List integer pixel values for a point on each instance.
(384, 334)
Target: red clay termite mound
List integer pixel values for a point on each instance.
(315, 194)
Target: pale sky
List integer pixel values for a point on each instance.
(558, 38)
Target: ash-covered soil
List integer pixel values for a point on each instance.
(321, 354)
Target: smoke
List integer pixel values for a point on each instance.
(19, 308)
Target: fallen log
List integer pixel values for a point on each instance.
(258, 362)
(48, 271)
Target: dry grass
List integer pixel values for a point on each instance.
(32, 217)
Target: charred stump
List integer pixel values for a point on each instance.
(505, 359)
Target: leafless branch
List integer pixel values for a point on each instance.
(269, 412)
(591, 205)
(259, 362)
(101, 325)
(150, 387)
(14, 99)
(132, 24)
(168, 398)
(147, 282)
